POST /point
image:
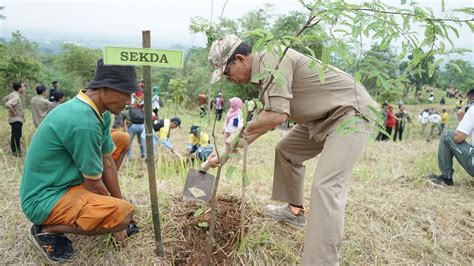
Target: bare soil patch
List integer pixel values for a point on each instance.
(191, 226)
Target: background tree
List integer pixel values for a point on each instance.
(76, 67)
(377, 66)
(19, 61)
(456, 73)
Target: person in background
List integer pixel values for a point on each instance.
(58, 99)
(39, 105)
(424, 118)
(454, 144)
(442, 101)
(431, 98)
(403, 119)
(163, 127)
(155, 101)
(198, 144)
(383, 114)
(202, 101)
(137, 97)
(121, 139)
(435, 120)
(53, 90)
(233, 120)
(219, 105)
(444, 120)
(137, 127)
(16, 117)
(389, 123)
(459, 105)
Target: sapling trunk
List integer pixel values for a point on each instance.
(244, 188)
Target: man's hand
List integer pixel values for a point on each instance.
(96, 186)
(13, 113)
(121, 238)
(460, 113)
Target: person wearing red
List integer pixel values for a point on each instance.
(389, 122)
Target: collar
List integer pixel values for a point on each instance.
(87, 100)
(257, 58)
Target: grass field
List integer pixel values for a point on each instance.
(393, 216)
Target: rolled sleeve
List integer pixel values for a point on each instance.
(278, 105)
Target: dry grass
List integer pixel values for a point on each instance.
(393, 216)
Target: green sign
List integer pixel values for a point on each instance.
(143, 57)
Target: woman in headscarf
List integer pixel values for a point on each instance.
(233, 120)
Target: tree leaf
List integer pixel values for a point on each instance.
(326, 55)
(261, 76)
(321, 73)
(456, 67)
(258, 46)
(203, 224)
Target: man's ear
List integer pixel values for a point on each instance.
(240, 58)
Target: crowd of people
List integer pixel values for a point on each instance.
(395, 124)
(40, 106)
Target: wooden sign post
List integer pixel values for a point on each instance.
(147, 57)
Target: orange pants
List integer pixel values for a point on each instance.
(89, 211)
(121, 141)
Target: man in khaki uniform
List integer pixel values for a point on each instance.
(317, 108)
(15, 116)
(39, 105)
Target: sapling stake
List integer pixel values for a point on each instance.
(244, 188)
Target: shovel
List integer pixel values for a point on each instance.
(198, 186)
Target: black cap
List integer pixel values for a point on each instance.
(121, 78)
(194, 129)
(176, 120)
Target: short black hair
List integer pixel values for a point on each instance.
(58, 95)
(55, 82)
(470, 92)
(40, 89)
(243, 49)
(16, 85)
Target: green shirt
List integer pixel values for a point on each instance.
(67, 147)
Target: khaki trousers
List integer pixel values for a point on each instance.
(339, 153)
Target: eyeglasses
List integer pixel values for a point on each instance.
(226, 70)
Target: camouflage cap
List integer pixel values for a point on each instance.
(221, 50)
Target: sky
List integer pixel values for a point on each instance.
(121, 21)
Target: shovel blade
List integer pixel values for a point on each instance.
(198, 186)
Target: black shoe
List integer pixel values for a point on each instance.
(132, 229)
(55, 247)
(440, 180)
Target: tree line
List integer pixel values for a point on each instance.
(73, 65)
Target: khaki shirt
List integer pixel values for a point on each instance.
(305, 98)
(39, 109)
(13, 104)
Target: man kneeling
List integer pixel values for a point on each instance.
(70, 182)
(454, 144)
